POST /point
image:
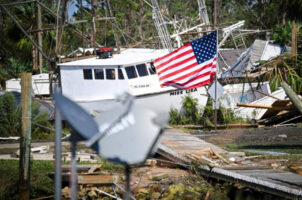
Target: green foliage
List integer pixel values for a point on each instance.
(10, 119)
(191, 113)
(41, 126)
(288, 69)
(41, 184)
(283, 34)
(175, 117)
(9, 116)
(16, 67)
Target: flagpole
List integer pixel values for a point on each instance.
(215, 117)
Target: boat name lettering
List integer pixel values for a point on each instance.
(141, 86)
(180, 92)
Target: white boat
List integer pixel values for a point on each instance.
(94, 83)
(40, 85)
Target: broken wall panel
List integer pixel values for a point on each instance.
(257, 113)
(242, 93)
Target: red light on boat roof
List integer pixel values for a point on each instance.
(102, 49)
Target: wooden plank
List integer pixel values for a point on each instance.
(96, 179)
(272, 107)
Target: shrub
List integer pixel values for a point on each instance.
(10, 116)
(10, 119)
(175, 117)
(191, 114)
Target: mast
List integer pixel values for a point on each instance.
(203, 13)
(161, 27)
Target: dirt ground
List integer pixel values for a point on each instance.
(276, 147)
(269, 137)
(143, 177)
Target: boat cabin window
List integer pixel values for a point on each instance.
(99, 74)
(87, 74)
(120, 74)
(110, 74)
(152, 69)
(131, 73)
(142, 70)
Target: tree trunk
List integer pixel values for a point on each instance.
(141, 20)
(35, 60)
(294, 37)
(39, 36)
(284, 19)
(292, 96)
(3, 84)
(215, 12)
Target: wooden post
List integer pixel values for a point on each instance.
(292, 96)
(25, 139)
(294, 37)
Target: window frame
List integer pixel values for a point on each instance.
(118, 74)
(146, 69)
(106, 73)
(136, 74)
(150, 69)
(95, 77)
(87, 69)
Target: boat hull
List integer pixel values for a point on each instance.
(161, 102)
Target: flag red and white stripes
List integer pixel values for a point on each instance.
(190, 66)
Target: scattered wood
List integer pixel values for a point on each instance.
(76, 58)
(297, 169)
(48, 197)
(94, 168)
(96, 178)
(89, 178)
(209, 160)
(207, 195)
(272, 107)
(151, 162)
(101, 191)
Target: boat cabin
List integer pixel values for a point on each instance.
(100, 79)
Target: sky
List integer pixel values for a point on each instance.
(72, 8)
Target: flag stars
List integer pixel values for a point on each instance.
(205, 48)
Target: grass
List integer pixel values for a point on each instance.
(41, 184)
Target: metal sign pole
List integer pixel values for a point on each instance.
(128, 190)
(216, 83)
(58, 153)
(74, 184)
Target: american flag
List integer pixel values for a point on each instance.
(190, 66)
